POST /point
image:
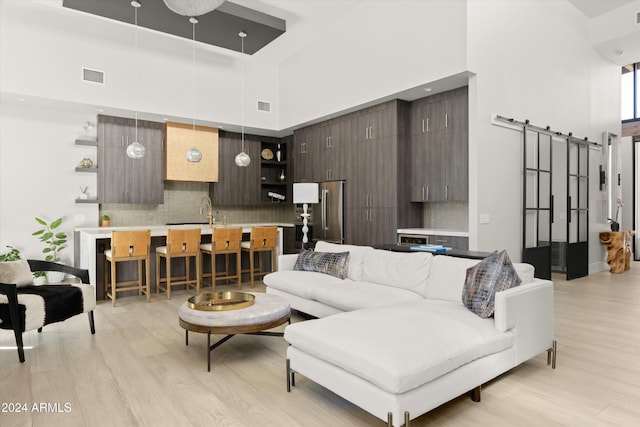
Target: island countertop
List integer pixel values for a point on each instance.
(86, 247)
(161, 230)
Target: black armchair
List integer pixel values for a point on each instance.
(61, 301)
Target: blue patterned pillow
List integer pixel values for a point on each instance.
(332, 263)
(493, 274)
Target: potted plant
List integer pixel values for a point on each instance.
(105, 221)
(12, 255)
(55, 241)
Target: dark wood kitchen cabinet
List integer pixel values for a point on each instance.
(363, 149)
(439, 147)
(125, 180)
(237, 185)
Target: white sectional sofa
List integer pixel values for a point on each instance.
(394, 338)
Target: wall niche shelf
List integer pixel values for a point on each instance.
(87, 170)
(271, 170)
(93, 169)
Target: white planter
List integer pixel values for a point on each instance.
(55, 276)
(40, 280)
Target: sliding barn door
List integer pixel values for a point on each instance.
(577, 208)
(537, 202)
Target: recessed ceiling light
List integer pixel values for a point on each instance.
(427, 89)
(100, 110)
(619, 52)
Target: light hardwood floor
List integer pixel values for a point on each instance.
(137, 370)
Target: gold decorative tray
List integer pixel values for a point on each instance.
(221, 301)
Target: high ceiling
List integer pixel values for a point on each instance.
(593, 8)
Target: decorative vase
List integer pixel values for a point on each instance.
(282, 177)
(278, 154)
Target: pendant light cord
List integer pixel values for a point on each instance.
(242, 115)
(135, 42)
(193, 21)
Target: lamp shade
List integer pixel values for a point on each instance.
(306, 192)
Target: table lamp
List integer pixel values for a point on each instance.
(305, 193)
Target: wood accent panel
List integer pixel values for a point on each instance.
(631, 128)
(181, 137)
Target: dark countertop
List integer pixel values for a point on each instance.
(453, 252)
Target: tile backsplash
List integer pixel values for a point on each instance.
(182, 205)
(452, 216)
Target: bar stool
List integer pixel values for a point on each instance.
(127, 246)
(180, 244)
(224, 241)
(262, 239)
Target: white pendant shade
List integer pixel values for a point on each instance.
(135, 150)
(192, 7)
(243, 159)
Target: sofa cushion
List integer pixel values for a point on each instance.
(401, 270)
(356, 256)
(493, 274)
(447, 277)
(331, 263)
(301, 283)
(356, 295)
(385, 346)
(17, 272)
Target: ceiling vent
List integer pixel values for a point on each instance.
(264, 106)
(92, 76)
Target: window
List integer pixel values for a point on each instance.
(629, 95)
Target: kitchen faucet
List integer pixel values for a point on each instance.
(205, 202)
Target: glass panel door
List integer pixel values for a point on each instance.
(537, 202)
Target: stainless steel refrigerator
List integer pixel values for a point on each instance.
(328, 221)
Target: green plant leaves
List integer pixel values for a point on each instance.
(55, 242)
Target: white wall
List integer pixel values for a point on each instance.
(37, 162)
(44, 50)
(533, 61)
(375, 49)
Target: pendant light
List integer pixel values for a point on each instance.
(192, 8)
(135, 150)
(242, 159)
(193, 155)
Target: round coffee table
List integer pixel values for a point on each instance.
(267, 311)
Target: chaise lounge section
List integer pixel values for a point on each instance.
(394, 337)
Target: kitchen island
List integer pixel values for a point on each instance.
(90, 244)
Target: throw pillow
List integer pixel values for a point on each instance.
(493, 274)
(332, 263)
(17, 272)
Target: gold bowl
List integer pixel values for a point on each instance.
(221, 301)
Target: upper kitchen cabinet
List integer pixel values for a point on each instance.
(439, 147)
(125, 180)
(319, 151)
(237, 185)
(456, 145)
(191, 153)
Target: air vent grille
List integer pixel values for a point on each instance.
(93, 76)
(264, 106)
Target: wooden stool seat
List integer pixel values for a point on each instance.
(127, 246)
(181, 243)
(224, 241)
(262, 239)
